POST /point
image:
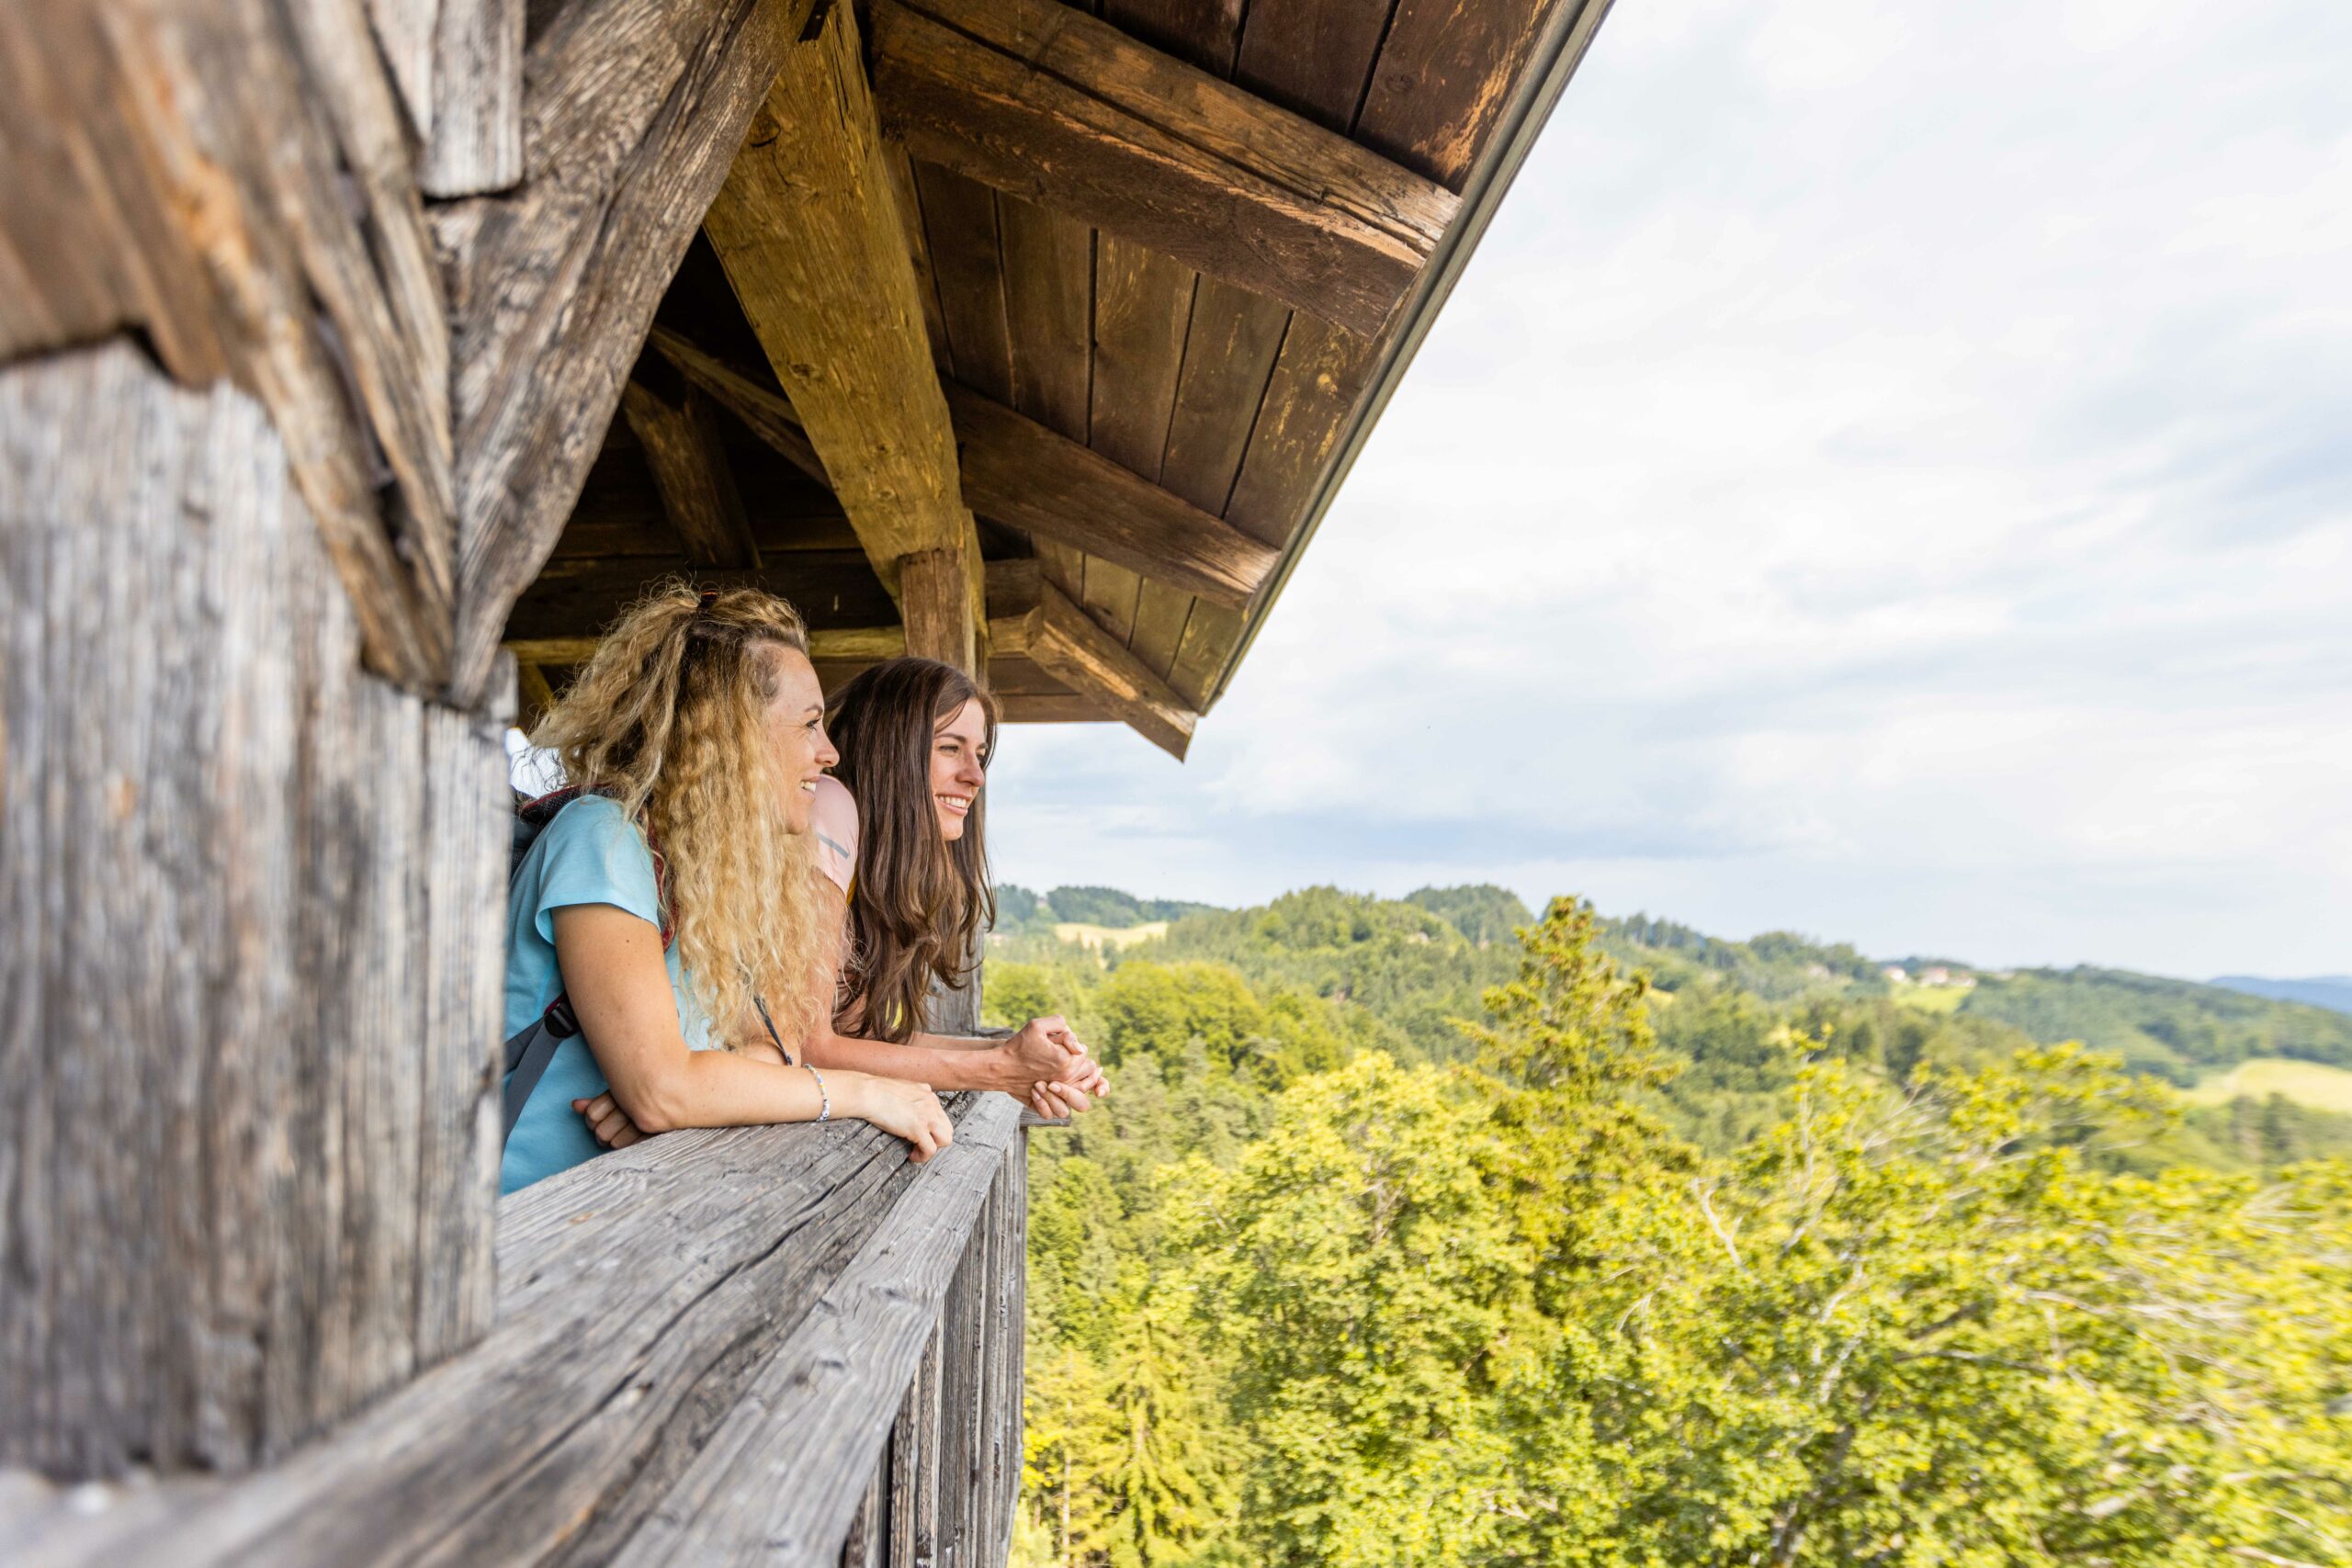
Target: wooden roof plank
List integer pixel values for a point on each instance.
(1050, 309)
(1036, 99)
(1143, 308)
(968, 271)
(809, 229)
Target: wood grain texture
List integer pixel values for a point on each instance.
(236, 186)
(679, 437)
(289, 1086)
(725, 1406)
(632, 113)
(1036, 99)
(936, 605)
(1018, 472)
(965, 245)
(1067, 643)
(474, 142)
(1446, 76)
(1050, 309)
(808, 228)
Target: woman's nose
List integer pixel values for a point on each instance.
(826, 753)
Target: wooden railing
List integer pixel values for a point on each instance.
(785, 1344)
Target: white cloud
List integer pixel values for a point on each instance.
(1883, 474)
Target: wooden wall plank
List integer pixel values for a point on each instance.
(809, 229)
(1313, 57)
(635, 111)
(1030, 97)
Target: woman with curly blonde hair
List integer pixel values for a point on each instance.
(675, 902)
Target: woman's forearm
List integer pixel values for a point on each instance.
(958, 1067)
(719, 1088)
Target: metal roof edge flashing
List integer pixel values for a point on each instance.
(1571, 37)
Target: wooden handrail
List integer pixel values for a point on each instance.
(780, 1342)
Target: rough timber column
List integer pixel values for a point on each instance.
(249, 919)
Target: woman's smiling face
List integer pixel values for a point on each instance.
(797, 724)
(958, 767)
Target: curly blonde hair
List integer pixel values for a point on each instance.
(670, 717)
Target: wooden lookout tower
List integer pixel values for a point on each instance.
(359, 360)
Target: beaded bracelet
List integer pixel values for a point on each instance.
(824, 1101)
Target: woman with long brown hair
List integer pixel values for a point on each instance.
(673, 904)
(915, 737)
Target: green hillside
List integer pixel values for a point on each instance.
(1632, 1273)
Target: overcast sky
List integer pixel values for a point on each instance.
(1886, 474)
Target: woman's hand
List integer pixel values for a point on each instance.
(1056, 1101)
(608, 1122)
(1046, 1052)
(909, 1111)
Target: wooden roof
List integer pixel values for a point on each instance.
(1168, 260)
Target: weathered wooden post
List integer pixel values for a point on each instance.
(252, 873)
(251, 969)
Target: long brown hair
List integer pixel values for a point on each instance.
(670, 717)
(919, 903)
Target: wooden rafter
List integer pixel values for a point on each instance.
(809, 231)
(1020, 473)
(1040, 99)
(1065, 642)
(679, 435)
(1017, 472)
(635, 109)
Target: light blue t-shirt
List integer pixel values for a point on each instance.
(591, 853)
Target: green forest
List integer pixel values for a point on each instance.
(1431, 1231)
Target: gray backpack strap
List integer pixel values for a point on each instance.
(528, 1052)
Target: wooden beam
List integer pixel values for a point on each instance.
(935, 602)
(1065, 641)
(234, 181)
(808, 228)
(680, 442)
(473, 144)
(766, 413)
(1042, 100)
(635, 109)
(1020, 473)
(843, 644)
(1017, 472)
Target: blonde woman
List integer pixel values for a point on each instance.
(678, 891)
